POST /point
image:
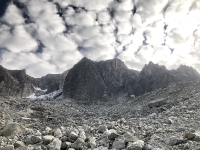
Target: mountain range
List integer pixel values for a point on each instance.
(90, 80)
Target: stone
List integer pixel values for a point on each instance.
(119, 144)
(147, 147)
(73, 136)
(12, 128)
(189, 135)
(197, 137)
(57, 133)
(47, 139)
(8, 147)
(78, 144)
(82, 136)
(65, 145)
(174, 141)
(23, 148)
(33, 139)
(101, 148)
(157, 102)
(113, 134)
(130, 138)
(102, 129)
(18, 144)
(92, 142)
(55, 144)
(138, 145)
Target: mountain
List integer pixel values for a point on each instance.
(15, 83)
(89, 80)
(50, 82)
(154, 76)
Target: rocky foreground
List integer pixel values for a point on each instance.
(165, 119)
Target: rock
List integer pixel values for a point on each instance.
(12, 128)
(73, 137)
(66, 145)
(119, 144)
(47, 139)
(147, 147)
(55, 144)
(197, 137)
(113, 134)
(92, 142)
(102, 129)
(157, 102)
(101, 148)
(8, 147)
(78, 144)
(82, 136)
(97, 79)
(18, 144)
(130, 138)
(174, 141)
(33, 139)
(189, 135)
(57, 133)
(23, 148)
(138, 145)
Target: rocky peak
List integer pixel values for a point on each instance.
(112, 64)
(15, 83)
(91, 80)
(186, 73)
(152, 68)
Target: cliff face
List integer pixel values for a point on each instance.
(50, 82)
(154, 76)
(15, 83)
(90, 80)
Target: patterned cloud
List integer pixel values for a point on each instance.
(51, 36)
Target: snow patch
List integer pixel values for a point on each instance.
(46, 96)
(39, 89)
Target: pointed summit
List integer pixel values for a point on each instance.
(152, 68)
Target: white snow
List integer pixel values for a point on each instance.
(32, 96)
(46, 96)
(39, 89)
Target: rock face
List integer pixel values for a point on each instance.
(154, 76)
(18, 83)
(90, 80)
(15, 83)
(50, 82)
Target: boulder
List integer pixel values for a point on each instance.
(12, 128)
(55, 144)
(47, 139)
(157, 102)
(138, 145)
(174, 140)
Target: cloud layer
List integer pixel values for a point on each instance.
(51, 36)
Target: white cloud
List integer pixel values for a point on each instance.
(34, 65)
(101, 30)
(80, 19)
(124, 27)
(13, 15)
(96, 5)
(18, 40)
(104, 17)
(45, 16)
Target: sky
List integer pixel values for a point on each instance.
(50, 36)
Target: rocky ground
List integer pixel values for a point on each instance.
(165, 119)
